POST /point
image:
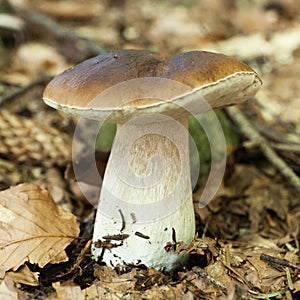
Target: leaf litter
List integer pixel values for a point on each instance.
(247, 243)
(33, 229)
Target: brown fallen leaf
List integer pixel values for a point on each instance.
(24, 275)
(166, 292)
(97, 291)
(68, 290)
(112, 281)
(55, 184)
(8, 291)
(33, 228)
(296, 286)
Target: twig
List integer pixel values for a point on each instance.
(141, 235)
(123, 220)
(251, 133)
(21, 90)
(42, 21)
(201, 273)
(262, 101)
(286, 147)
(274, 260)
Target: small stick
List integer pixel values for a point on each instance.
(123, 220)
(291, 147)
(143, 236)
(116, 237)
(76, 265)
(286, 147)
(101, 254)
(209, 279)
(82, 253)
(251, 133)
(271, 259)
(174, 238)
(42, 21)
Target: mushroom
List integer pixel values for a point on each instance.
(145, 207)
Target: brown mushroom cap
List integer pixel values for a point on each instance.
(121, 84)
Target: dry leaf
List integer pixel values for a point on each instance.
(280, 46)
(110, 280)
(97, 291)
(2, 273)
(11, 22)
(263, 276)
(179, 27)
(72, 10)
(24, 275)
(8, 291)
(166, 292)
(33, 60)
(33, 228)
(54, 183)
(68, 290)
(106, 35)
(297, 286)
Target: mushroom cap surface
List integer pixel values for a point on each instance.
(120, 85)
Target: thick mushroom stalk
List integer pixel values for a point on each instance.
(146, 198)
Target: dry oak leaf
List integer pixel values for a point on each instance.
(33, 228)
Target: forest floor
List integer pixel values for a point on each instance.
(247, 242)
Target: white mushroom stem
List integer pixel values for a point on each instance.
(146, 197)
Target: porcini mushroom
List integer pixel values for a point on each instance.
(146, 196)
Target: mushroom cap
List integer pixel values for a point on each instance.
(120, 85)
